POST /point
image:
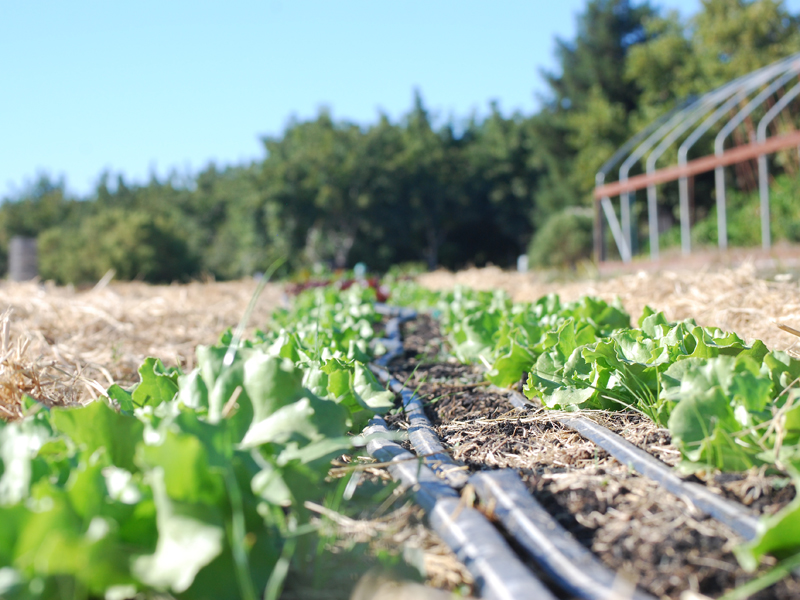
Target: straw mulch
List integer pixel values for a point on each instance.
(65, 346)
(737, 300)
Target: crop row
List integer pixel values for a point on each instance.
(191, 484)
(728, 405)
(195, 484)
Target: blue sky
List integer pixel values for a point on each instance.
(149, 86)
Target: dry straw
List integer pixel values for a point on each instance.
(738, 300)
(65, 346)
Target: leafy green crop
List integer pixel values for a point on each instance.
(508, 337)
(728, 405)
(188, 479)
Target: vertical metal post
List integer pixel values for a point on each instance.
(625, 220)
(599, 233)
(22, 259)
(599, 222)
(763, 173)
(673, 117)
(722, 222)
(763, 192)
(683, 190)
(616, 231)
(652, 220)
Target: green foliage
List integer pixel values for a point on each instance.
(506, 336)
(137, 245)
(779, 537)
(197, 486)
(728, 405)
(450, 193)
(715, 394)
(564, 240)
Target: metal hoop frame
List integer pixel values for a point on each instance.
(660, 135)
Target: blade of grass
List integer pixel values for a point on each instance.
(239, 331)
(780, 571)
(238, 531)
(278, 575)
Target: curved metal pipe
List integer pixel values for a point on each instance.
(763, 182)
(600, 178)
(665, 131)
(694, 111)
(707, 102)
(758, 78)
(719, 143)
(625, 168)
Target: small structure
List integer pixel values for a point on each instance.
(732, 100)
(22, 259)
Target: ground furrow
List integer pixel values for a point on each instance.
(498, 573)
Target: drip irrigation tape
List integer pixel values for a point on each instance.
(499, 574)
(738, 518)
(406, 467)
(392, 340)
(571, 567)
(404, 314)
(422, 435)
(517, 400)
(394, 348)
(420, 431)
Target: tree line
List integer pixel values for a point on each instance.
(419, 189)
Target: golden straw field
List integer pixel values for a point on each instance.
(65, 345)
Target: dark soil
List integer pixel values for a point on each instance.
(636, 528)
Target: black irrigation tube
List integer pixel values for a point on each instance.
(499, 574)
(391, 339)
(395, 312)
(735, 516)
(422, 435)
(563, 558)
(420, 431)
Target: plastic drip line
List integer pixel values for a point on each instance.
(735, 516)
(406, 467)
(499, 574)
(420, 431)
(572, 567)
(392, 341)
(422, 435)
(394, 348)
(404, 314)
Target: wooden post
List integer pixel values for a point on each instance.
(22, 259)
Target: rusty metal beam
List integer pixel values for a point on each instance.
(699, 165)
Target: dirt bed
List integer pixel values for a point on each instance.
(636, 528)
